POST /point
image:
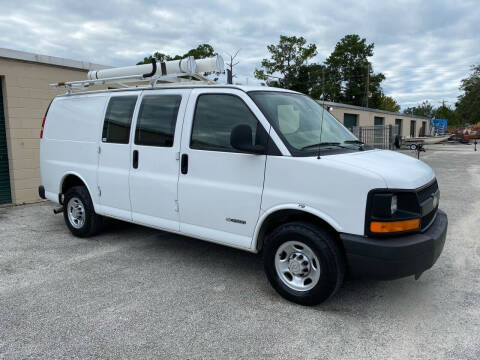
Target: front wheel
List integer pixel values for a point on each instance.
(79, 213)
(303, 263)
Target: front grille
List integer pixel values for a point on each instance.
(423, 195)
(426, 192)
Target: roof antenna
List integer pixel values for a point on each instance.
(323, 111)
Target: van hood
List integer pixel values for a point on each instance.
(398, 170)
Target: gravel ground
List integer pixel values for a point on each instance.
(133, 292)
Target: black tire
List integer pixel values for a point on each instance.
(92, 223)
(324, 247)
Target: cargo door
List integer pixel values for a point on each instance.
(114, 159)
(155, 160)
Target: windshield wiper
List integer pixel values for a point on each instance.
(337, 144)
(361, 144)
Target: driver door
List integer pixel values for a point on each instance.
(220, 188)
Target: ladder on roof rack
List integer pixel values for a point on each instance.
(176, 71)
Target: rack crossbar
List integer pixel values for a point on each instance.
(123, 80)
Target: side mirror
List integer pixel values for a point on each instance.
(241, 138)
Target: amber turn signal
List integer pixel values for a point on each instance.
(394, 226)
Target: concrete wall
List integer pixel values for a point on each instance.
(366, 118)
(27, 95)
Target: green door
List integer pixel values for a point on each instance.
(379, 133)
(423, 129)
(5, 196)
(398, 122)
(349, 121)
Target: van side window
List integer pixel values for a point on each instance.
(156, 120)
(116, 127)
(215, 117)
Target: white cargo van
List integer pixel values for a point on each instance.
(255, 168)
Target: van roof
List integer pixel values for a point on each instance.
(245, 88)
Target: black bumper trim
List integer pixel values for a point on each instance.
(396, 257)
(41, 192)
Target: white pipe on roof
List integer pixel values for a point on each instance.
(213, 64)
(184, 66)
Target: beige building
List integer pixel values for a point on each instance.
(24, 98)
(351, 116)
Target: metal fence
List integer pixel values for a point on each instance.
(378, 136)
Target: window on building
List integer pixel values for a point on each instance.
(350, 120)
(156, 120)
(378, 120)
(116, 127)
(398, 122)
(413, 125)
(215, 117)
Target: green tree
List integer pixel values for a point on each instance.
(158, 56)
(309, 80)
(346, 75)
(286, 59)
(423, 109)
(468, 104)
(445, 112)
(202, 51)
(388, 103)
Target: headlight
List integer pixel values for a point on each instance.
(392, 213)
(393, 204)
(384, 205)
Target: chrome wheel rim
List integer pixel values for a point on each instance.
(76, 212)
(297, 266)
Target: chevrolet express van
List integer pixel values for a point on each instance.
(260, 169)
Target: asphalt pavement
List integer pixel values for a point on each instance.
(134, 292)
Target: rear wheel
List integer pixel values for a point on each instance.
(79, 213)
(303, 263)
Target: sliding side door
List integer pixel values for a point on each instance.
(155, 160)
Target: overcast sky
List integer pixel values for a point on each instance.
(423, 47)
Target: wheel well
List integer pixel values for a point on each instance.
(289, 215)
(68, 182)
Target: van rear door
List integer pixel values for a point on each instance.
(115, 156)
(155, 166)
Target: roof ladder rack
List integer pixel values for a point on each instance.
(175, 71)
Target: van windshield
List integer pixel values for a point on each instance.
(298, 120)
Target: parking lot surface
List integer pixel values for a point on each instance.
(133, 292)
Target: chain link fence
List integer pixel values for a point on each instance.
(378, 136)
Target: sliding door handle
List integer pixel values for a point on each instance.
(184, 164)
(135, 159)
